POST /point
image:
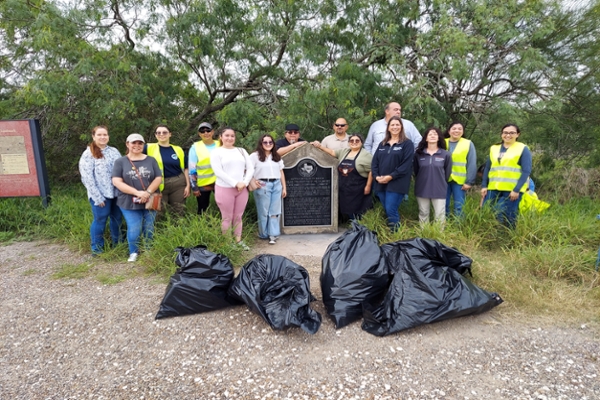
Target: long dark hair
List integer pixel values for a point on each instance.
(423, 144)
(388, 135)
(97, 151)
(262, 156)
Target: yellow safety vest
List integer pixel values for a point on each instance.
(154, 151)
(459, 160)
(205, 173)
(505, 174)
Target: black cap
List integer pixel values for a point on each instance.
(205, 125)
(292, 127)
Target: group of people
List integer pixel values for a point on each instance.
(444, 167)
(383, 164)
(120, 186)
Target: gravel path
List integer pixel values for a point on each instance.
(79, 339)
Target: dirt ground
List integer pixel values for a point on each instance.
(78, 338)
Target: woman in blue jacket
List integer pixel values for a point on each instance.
(392, 170)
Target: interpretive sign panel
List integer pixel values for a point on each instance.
(311, 204)
(22, 164)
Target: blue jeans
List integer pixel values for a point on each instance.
(139, 223)
(391, 202)
(455, 190)
(268, 208)
(507, 211)
(101, 214)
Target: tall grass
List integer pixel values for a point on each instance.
(545, 265)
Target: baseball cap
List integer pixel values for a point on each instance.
(134, 137)
(292, 127)
(205, 125)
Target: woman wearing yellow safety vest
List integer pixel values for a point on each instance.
(505, 175)
(175, 186)
(464, 167)
(202, 177)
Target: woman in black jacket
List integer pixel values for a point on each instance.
(392, 170)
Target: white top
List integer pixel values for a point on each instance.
(377, 134)
(267, 169)
(231, 166)
(96, 174)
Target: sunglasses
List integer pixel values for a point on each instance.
(354, 141)
(268, 142)
(204, 130)
(292, 132)
(162, 133)
(340, 125)
(137, 142)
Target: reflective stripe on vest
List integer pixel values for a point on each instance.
(205, 173)
(459, 160)
(505, 174)
(154, 151)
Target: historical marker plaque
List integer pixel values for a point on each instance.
(311, 204)
(22, 164)
(309, 196)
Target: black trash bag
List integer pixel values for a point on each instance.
(278, 290)
(352, 271)
(427, 287)
(199, 285)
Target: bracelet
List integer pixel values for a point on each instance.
(148, 190)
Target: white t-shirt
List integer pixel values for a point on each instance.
(267, 169)
(231, 166)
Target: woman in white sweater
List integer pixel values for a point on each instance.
(233, 169)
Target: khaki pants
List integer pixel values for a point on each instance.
(173, 194)
(439, 208)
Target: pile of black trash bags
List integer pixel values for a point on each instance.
(392, 287)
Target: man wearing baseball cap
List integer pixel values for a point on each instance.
(291, 140)
(202, 177)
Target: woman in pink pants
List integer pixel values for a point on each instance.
(234, 170)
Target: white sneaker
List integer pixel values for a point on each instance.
(272, 240)
(132, 257)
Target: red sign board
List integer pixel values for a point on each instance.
(22, 167)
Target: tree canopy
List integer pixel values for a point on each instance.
(257, 64)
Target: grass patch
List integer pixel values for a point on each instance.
(30, 271)
(72, 271)
(110, 279)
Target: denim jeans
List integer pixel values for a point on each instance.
(139, 223)
(455, 190)
(268, 208)
(507, 211)
(101, 214)
(391, 202)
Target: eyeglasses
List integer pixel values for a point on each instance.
(293, 132)
(137, 143)
(354, 141)
(340, 125)
(267, 142)
(510, 133)
(162, 133)
(204, 130)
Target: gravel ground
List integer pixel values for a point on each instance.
(76, 339)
